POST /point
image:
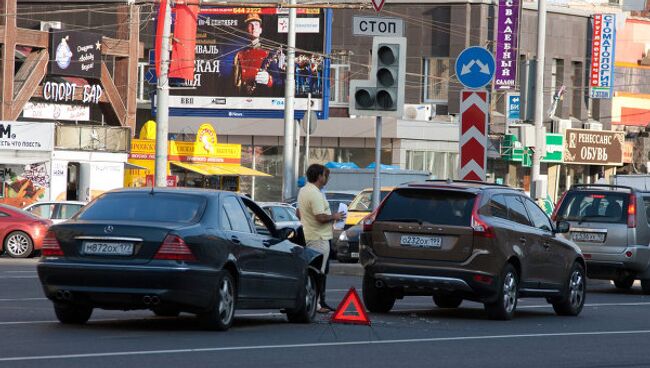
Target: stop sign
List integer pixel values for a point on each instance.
(378, 4)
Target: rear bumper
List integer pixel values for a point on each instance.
(611, 266)
(187, 287)
(346, 249)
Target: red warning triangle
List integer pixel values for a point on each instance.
(358, 313)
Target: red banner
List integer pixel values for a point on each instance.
(183, 46)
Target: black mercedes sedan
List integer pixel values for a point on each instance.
(174, 250)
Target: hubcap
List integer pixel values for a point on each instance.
(509, 292)
(226, 301)
(310, 295)
(17, 244)
(576, 289)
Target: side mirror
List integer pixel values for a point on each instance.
(562, 227)
(286, 233)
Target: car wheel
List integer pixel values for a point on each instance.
(447, 301)
(221, 316)
(504, 307)
(574, 295)
(645, 286)
(624, 283)
(377, 300)
(306, 311)
(19, 245)
(166, 311)
(71, 314)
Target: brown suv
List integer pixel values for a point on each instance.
(468, 240)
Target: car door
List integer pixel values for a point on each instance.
(249, 253)
(520, 235)
(550, 256)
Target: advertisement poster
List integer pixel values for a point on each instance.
(603, 48)
(241, 60)
(507, 46)
(76, 54)
(593, 147)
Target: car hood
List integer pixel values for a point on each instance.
(354, 217)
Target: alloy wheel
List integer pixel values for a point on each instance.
(509, 292)
(310, 294)
(576, 289)
(226, 301)
(18, 244)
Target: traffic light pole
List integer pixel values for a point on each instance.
(540, 139)
(376, 180)
(162, 103)
(289, 124)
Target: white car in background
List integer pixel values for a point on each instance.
(57, 211)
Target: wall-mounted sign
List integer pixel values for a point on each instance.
(64, 91)
(593, 147)
(507, 46)
(42, 110)
(76, 54)
(603, 48)
(26, 136)
(513, 108)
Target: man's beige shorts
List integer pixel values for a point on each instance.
(322, 246)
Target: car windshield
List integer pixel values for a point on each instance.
(594, 207)
(143, 206)
(363, 201)
(426, 206)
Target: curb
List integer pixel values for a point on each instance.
(346, 269)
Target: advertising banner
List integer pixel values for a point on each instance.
(513, 108)
(507, 45)
(594, 147)
(26, 136)
(603, 48)
(76, 54)
(241, 61)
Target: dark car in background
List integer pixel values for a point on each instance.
(468, 240)
(346, 245)
(21, 232)
(611, 224)
(199, 251)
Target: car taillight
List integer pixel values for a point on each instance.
(481, 228)
(51, 246)
(557, 207)
(631, 212)
(370, 219)
(174, 248)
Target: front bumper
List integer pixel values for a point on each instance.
(187, 287)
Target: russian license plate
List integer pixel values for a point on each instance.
(354, 254)
(107, 248)
(421, 241)
(588, 237)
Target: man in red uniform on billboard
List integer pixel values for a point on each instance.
(256, 68)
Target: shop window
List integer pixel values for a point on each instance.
(436, 79)
(441, 165)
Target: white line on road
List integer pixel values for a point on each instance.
(18, 277)
(590, 305)
(323, 344)
(21, 299)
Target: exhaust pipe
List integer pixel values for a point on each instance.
(59, 295)
(379, 284)
(67, 295)
(146, 299)
(155, 300)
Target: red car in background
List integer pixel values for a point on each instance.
(21, 232)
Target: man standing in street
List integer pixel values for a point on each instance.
(317, 219)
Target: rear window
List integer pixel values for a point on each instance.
(142, 206)
(594, 207)
(428, 206)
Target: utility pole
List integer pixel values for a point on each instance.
(308, 121)
(162, 103)
(376, 181)
(289, 92)
(540, 139)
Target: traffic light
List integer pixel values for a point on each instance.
(383, 93)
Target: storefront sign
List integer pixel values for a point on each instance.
(26, 136)
(593, 147)
(628, 153)
(603, 48)
(76, 54)
(513, 108)
(507, 52)
(37, 110)
(64, 91)
(513, 150)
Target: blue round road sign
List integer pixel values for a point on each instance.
(475, 67)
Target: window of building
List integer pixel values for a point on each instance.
(557, 81)
(340, 78)
(578, 89)
(436, 79)
(441, 165)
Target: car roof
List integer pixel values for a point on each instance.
(56, 202)
(467, 185)
(273, 204)
(179, 190)
(601, 187)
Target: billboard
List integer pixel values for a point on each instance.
(75, 54)
(507, 46)
(594, 147)
(240, 64)
(603, 48)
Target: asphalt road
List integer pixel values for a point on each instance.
(612, 331)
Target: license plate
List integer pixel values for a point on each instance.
(354, 254)
(107, 248)
(421, 241)
(588, 237)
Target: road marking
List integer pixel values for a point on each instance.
(21, 299)
(19, 277)
(323, 344)
(19, 272)
(590, 305)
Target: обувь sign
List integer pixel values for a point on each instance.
(593, 147)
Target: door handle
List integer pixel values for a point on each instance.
(522, 239)
(235, 239)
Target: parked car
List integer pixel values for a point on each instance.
(21, 232)
(347, 244)
(468, 240)
(610, 224)
(57, 211)
(282, 214)
(176, 250)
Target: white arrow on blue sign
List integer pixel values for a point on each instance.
(150, 76)
(475, 67)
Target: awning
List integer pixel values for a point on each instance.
(130, 166)
(209, 169)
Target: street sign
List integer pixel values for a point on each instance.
(513, 108)
(377, 26)
(473, 134)
(378, 4)
(475, 67)
(150, 76)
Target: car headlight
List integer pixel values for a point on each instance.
(343, 236)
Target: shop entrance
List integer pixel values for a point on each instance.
(72, 192)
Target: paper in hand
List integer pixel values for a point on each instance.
(340, 224)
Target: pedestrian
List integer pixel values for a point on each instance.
(317, 219)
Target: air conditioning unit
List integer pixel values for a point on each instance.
(592, 125)
(423, 112)
(560, 125)
(46, 26)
